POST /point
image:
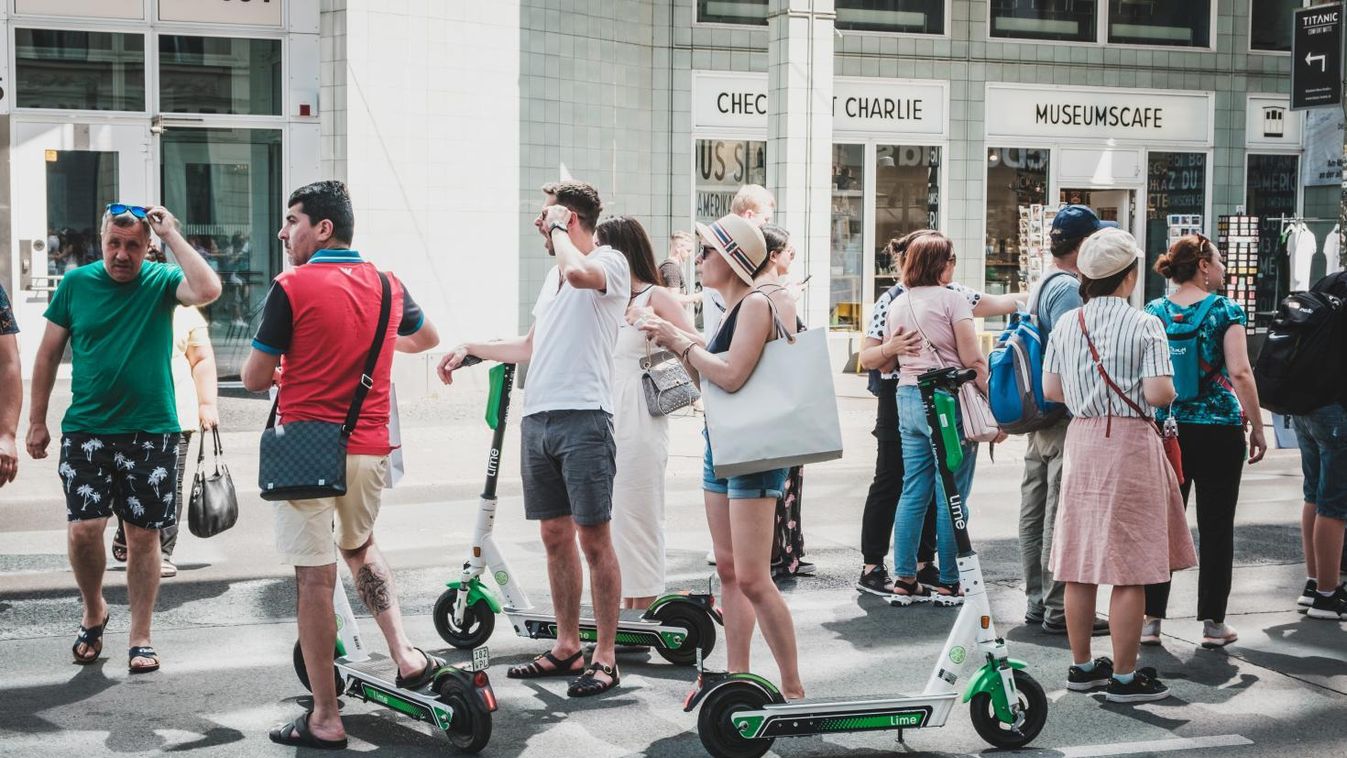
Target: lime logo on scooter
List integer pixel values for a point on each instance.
(502, 578)
(493, 462)
(957, 654)
(956, 510)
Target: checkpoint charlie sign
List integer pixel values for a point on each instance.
(735, 100)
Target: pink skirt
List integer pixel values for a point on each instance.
(1120, 519)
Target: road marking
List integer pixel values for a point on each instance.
(1153, 746)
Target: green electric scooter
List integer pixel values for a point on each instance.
(742, 714)
(678, 627)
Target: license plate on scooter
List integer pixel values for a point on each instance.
(481, 658)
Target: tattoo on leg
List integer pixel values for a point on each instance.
(373, 584)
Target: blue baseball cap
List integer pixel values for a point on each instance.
(1074, 222)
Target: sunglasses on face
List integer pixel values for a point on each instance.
(705, 251)
(118, 209)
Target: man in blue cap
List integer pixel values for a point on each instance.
(1058, 292)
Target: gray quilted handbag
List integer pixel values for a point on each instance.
(302, 460)
(666, 383)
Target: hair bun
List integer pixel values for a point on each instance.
(1164, 265)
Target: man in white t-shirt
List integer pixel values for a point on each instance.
(569, 454)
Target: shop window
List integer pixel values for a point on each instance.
(1271, 186)
(907, 16)
(732, 12)
(71, 70)
(225, 187)
(907, 198)
(220, 75)
(1064, 20)
(723, 166)
(1270, 24)
(848, 229)
(1160, 22)
(1016, 243)
(1176, 185)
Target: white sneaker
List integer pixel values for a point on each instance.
(1215, 635)
(1150, 632)
(711, 557)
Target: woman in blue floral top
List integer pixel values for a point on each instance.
(1211, 427)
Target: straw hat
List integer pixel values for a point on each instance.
(739, 241)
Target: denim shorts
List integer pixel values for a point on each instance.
(569, 461)
(770, 483)
(1323, 458)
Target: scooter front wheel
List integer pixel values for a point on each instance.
(998, 733)
(715, 724)
(479, 621)
(302, 672)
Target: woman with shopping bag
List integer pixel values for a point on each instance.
(741, 495)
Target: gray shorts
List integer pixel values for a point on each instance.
(569, 459)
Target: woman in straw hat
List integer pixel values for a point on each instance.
(740, 510)
(1120, 520)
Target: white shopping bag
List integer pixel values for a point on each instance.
(396, 466)
(784, 415)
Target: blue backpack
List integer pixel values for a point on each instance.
(1189, 368)
(1016, 376)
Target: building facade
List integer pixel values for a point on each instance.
(868, 119)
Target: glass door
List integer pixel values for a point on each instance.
(63, 176)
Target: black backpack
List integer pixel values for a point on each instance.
(1302, 364)
(875, 383)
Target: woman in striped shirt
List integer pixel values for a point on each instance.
(1120, 517)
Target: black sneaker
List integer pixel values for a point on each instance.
(1057, 625)
(1333, 607)
(1143, 688)
(1080, 680)
(1307, 596)
(805, 568)
(929, 575)
(876, 581)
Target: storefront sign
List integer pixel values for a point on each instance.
(860, 104)
(1316, 57)
(134, 9)
(1098, 113)
(258, 12)
(1270, 122)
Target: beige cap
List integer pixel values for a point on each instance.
(1106, 252)
(739, 240)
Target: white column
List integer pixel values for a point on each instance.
(799, 133)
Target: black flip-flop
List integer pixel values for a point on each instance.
(91, 636)
(588, 684)
(297, 734)
(426, 676)
(142, 651)
(531, 670)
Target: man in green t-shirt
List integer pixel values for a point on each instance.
(119, 438)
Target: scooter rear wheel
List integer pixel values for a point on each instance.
(478, 623)
(716, 729)
(701, 632)
(999, 734)
(302, 671)
(470, 728)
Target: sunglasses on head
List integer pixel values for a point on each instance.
(139, 211)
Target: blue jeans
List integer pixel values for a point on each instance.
(920, 479)
(1322, 434)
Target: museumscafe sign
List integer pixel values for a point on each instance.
(1098, 113)
(722, 99)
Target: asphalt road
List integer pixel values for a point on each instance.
(225, 625)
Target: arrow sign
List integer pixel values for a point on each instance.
(1317, 41)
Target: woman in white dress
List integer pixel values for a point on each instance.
(642, 439)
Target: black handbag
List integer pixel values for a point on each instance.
(303, 460)
(214, 506)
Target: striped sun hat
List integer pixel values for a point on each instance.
(739, 241)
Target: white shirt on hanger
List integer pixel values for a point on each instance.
(1333, 251)
(1301, 246)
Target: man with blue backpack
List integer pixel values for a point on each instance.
(1017, 402)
